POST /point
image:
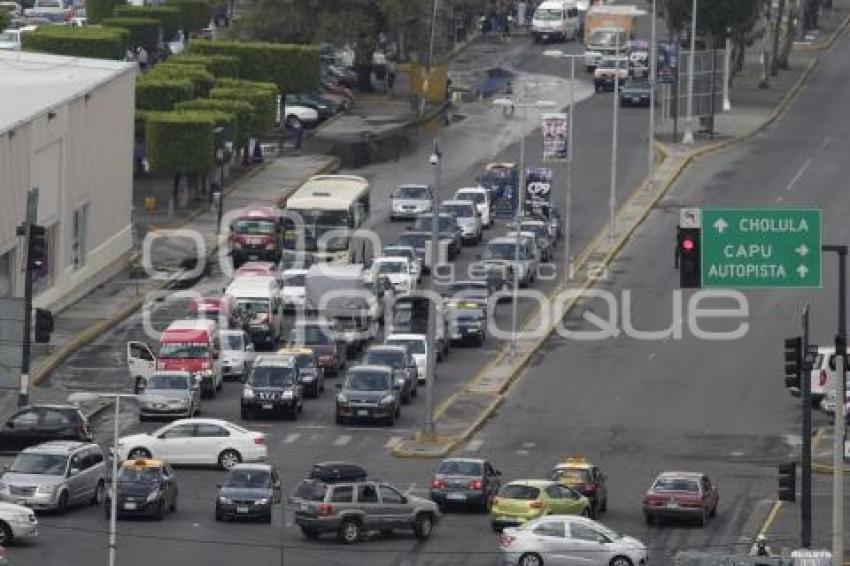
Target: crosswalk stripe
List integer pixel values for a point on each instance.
(473, 445)
(392, 442)
(342, 440)
(292, 437)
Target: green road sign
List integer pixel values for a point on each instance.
(772, 247)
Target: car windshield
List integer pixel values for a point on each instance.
(183, 350)
(475, 197)
(462, 286)
(548, 14)
(175, 382)
(400, 252)
(637, 83)
(468, 315)
(304, 361)
(502, 251)
(132, 474)
(411, 192)
(232, 342)
(48, 4)
(613, 63)
(257, 306)
(321, 218)
(255, 227)
(445, 224)
(414, 240)
(294, 280)
(519, 491)
(676, 484)
(272, 376)
(415, 346)
(459, 468)
(390, 267)
(251, 479)
(603, 37)
(571, 475)
(43, 464)
(312, 335)
(459, 210)
(363, 381)
(537, 229)
(379, 358)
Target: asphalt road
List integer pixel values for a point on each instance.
(193, 537)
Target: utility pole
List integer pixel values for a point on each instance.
(653, 61)
(436, 163)
(33, 236)
(806, 459)
(568, 212)
(688, 138)
(427, 82)
(612, 196)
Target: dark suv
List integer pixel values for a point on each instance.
(35, 424)
(402, 364)
(352, 509)
(273, 386)
(369, 393)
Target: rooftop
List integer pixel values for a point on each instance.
(34, 82)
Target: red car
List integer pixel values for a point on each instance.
(681, 495)
(219, 309)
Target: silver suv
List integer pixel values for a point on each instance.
(55, 475)
(353, 509)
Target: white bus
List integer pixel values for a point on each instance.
(326, 203)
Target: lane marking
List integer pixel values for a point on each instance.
(393, 442)
(474, 445)
(795, 178)
(291, 437)
(342, 440)
(522, 452)
(312, 427)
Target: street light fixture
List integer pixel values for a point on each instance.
(83, 396)
(538, 105)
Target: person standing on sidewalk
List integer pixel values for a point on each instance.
(298, 130)
(390, 77)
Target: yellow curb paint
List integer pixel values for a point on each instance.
(771, 517)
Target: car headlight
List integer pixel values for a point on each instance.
(264, 501)
(225, 500)
(45, 489)
(152, 496)
(400, 380)
(387, 400)
(288, 394)
(248, 392)
(341, 398)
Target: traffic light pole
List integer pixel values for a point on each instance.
(806, 459)
(32, 218)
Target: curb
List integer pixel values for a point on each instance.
(771, 517)
(828, 43)
(446, 445)
(820, 467)
(89, 334)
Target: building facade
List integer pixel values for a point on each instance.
(66, 128)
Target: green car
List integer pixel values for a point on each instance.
(523, 500)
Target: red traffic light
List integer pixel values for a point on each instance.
(688, 244)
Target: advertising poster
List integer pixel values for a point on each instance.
(555, 129)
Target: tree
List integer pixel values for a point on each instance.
(98, 10)
(282, 21)
(4, 19)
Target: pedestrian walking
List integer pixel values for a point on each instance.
(298, 130)
(390, 77)
(143, 58)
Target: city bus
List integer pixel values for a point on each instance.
(323, 204)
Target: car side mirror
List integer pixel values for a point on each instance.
(73, 472)
(249, 347)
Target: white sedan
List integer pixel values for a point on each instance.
(197, 441)
(16, 521)
(569, 539)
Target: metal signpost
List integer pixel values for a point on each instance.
(761, 248)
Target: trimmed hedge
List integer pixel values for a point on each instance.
(229, 82)
(202, 80)
(144, 32)
(180, 142)
(139, 120)
(99, 10)
(194, 14)
(94, 42)
(293, 68)
(242, 110)
(161, 93)
(222, 119)
(218, 65)
(168, 16)
(265, 106)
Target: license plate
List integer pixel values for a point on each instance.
(456, 497)
(672, 505)
(303, 506)
(362, 413)
(130, 506)
(472, 330)
(241, 509)
(268, 406)
(635, 99)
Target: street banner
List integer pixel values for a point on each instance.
(555, 128)
(538, 188)
(668, 62)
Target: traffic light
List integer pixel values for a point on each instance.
(37, 251)
(688, 253)
(793, 361)
(43, 325)
(788, 481)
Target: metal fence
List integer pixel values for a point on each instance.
(708, 86)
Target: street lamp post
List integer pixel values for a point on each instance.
(612, 195)
(436, 163)
(220, 159)
(653, 61)
(688, 138)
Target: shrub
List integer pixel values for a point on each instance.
(168, 16)
(144, 32)
(265, 106)
(180, 142)
(202, 80)
(293, 68)
(98, 10)
(160, 93)
(243, 111)
(218, 65)
(94, 42)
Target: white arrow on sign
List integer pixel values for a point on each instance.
(720, 225)
(802, 270)
(802, 250)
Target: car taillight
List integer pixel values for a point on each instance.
(506, 540)
(476, 484)
(326, 509)
(438, 484)
(260, 440)
(822, 378)
(589, 488)
(536, 504)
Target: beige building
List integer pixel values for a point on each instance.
(66, 127)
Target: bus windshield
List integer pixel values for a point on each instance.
(317, 224)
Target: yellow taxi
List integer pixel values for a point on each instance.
(520, 501)
(585, 477)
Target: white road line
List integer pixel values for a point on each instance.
(342, 440)
(473, 445)
(522, 452)
(291, 437)
(393, 442)
(312, 427)
(795, 178)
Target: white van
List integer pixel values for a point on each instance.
(555, 19)
(258, 304)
